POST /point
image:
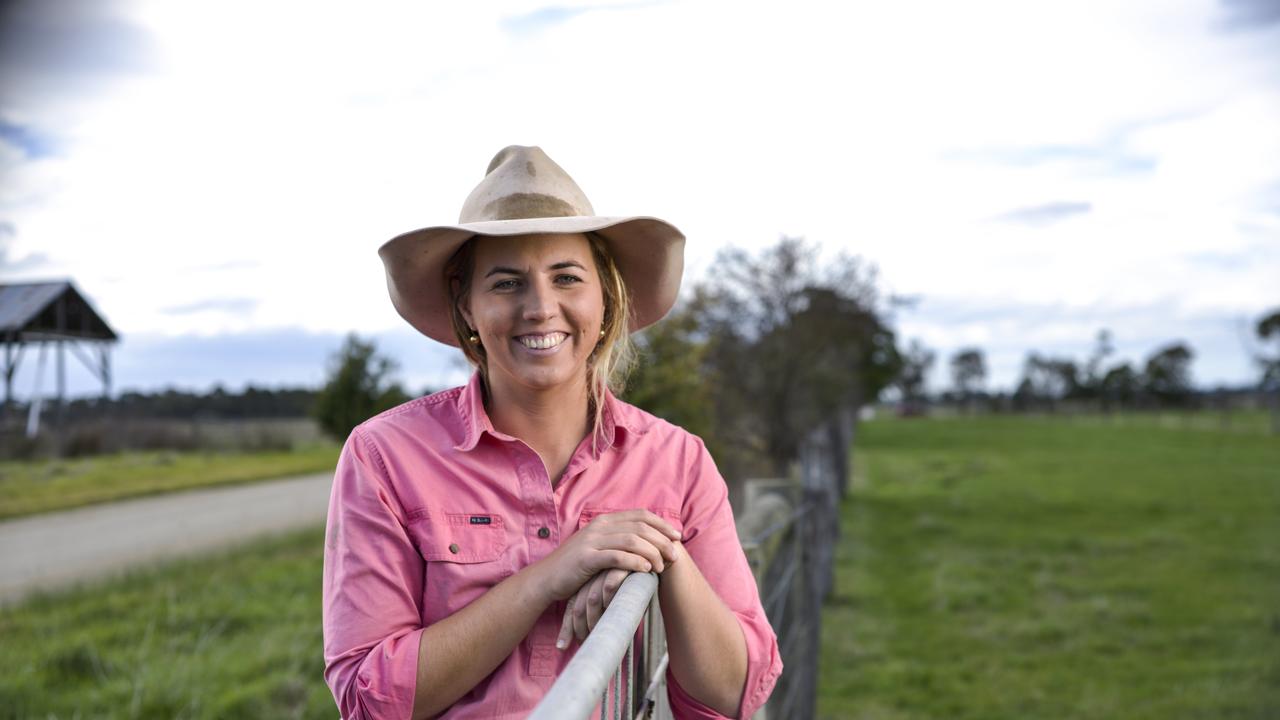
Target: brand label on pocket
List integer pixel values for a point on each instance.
(481, 520)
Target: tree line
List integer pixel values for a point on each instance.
(1162, 381)
(765, 347)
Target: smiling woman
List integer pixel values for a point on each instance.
(474, 534)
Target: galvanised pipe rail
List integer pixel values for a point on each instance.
(586, 678)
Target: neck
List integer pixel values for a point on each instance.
(551, 421)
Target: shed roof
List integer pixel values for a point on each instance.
(30, 311)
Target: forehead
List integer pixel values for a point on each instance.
(532, 250)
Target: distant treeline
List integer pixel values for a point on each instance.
(1047, 383)
(219, 404)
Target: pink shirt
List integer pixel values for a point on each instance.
(431, 507)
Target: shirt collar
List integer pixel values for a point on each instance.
(475, 420)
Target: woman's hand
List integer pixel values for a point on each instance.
(586, 606)
(632, 540)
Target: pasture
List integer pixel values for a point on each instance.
(1007, 567)
(988, 568)
(28, 487)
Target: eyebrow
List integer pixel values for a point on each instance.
(500, 269)
(558, 266)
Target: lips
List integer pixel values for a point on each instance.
(542, 342)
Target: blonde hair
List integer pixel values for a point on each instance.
(609, 363)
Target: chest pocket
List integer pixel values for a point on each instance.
(459, 537)
(465, 553)
(671, 515)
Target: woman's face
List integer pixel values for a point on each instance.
(537, 303)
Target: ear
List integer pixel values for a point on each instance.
(466, 313)
(463, 303)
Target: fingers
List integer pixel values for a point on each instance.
(638, 540)
(613, 581)
(580, 615)
(624, 560)
(566, 625)
(641, 516)
(584, 610)
(631, 540)
(595, 601)
(664, 544)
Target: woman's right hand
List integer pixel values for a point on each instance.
(634, 540)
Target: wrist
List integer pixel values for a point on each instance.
(677, 567)
(533, 590)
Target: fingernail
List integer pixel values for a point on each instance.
(561, 644)
(647, 567)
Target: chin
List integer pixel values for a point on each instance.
(548, 378)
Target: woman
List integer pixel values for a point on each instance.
(476, 534)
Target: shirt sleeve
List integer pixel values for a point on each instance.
(373, 578)
(711, 539)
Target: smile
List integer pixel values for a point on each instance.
(542, 342)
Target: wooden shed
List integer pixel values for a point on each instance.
(52, 315)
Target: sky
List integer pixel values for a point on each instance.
(217, 177)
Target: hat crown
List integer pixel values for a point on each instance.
(522, 182)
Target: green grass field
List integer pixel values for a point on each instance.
(1052, 568)
(29, 487)
(996, 568)
(234, 635)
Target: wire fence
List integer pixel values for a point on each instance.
(788, 530)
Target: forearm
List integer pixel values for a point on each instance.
(707, 650)
(459, 651)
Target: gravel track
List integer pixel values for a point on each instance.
(52, 551)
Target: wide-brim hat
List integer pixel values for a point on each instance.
(525, 192)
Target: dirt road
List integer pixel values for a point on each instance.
(58, 550)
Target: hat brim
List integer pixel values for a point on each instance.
(649, 253)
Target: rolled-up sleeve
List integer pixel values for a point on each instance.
(711, 539)
(373, 578)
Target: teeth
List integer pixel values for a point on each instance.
(542, 342)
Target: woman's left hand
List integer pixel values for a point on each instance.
(584, 608)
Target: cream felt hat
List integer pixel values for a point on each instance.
(525, 192)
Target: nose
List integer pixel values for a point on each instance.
(540, 302)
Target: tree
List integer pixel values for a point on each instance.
(790, 342)
(912, 376)
(358, 388)
(1167, 376)
(668, 377)
(1103, 348)
(1268, 331)
(1046, 380)
(968, 371)
(1119, 387)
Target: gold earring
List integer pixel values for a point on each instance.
(474, 339)
(601, 332)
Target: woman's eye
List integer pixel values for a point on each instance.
(568, 279)
(504, 284)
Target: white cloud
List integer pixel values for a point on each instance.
(291, 139)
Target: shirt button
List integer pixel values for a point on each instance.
(544, 533)
(453, 548)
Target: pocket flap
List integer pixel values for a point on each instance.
(461, 537)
